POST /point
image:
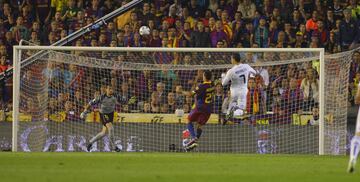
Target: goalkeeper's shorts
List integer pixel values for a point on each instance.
(106, 118)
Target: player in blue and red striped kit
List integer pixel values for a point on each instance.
(201, 112)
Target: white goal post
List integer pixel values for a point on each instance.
(306, 54)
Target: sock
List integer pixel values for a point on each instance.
(198, 133)
(355, 147)
(111, 137)
(190, 127)
(97, 137)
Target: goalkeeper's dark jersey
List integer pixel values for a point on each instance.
(107, 104)
(204, 96)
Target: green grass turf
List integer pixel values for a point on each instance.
(171, 167)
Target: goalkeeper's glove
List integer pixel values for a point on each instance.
(83, 114)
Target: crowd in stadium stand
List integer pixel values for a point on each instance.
(333, 25)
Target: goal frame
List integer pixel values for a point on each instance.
(17, 51)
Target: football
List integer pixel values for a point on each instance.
(144, 30)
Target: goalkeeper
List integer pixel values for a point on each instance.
(107, 104)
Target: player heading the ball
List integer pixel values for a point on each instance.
(107, 103)
(201, 111)
(238, 75)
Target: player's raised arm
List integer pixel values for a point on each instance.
(225, 78)
(252, 71)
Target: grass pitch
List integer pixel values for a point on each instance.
(171, 167)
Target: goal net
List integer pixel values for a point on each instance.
(286, 109)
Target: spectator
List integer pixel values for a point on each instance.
(147, 107)
(168, 77)
(218, 98)
(322, 33)
(70, 11)
(275, 16)
(218, 34)
(186, 17)
(338, 9)
(296, 20)
(247, 8)
(330, 22)
(278, 107)
(289, 34)
(200, 38)
(310, 89)
(281, 41)
(94, 11)
(179, 97)
(60, 23)
(261, 34)
(28, 15)
(108, 6)
(171, 102)
(146, 15)
(238, 21)
(300, 76)
(299, 42)
(188, 102)
(19, 30)
(311, 24)
(348, 32)
(355, 9)
(70, 114)
(228, 7)
(194, 9)
(315, 116)
(284, 8)
(3, 64)
(213, 5)
(255, 99)
(273, 31)
(155, 102)
(293, 97)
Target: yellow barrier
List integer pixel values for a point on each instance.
(301, 119)
(22, 117)
(147, 118)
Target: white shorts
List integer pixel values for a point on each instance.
(238, 98)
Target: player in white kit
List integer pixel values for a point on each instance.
(238, 75)
(355, 141)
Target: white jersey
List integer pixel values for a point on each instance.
(239, 76)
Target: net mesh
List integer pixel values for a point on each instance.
(281, 103)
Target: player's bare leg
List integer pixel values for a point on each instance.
(110, 130)
(354, 152)
(97, 137)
